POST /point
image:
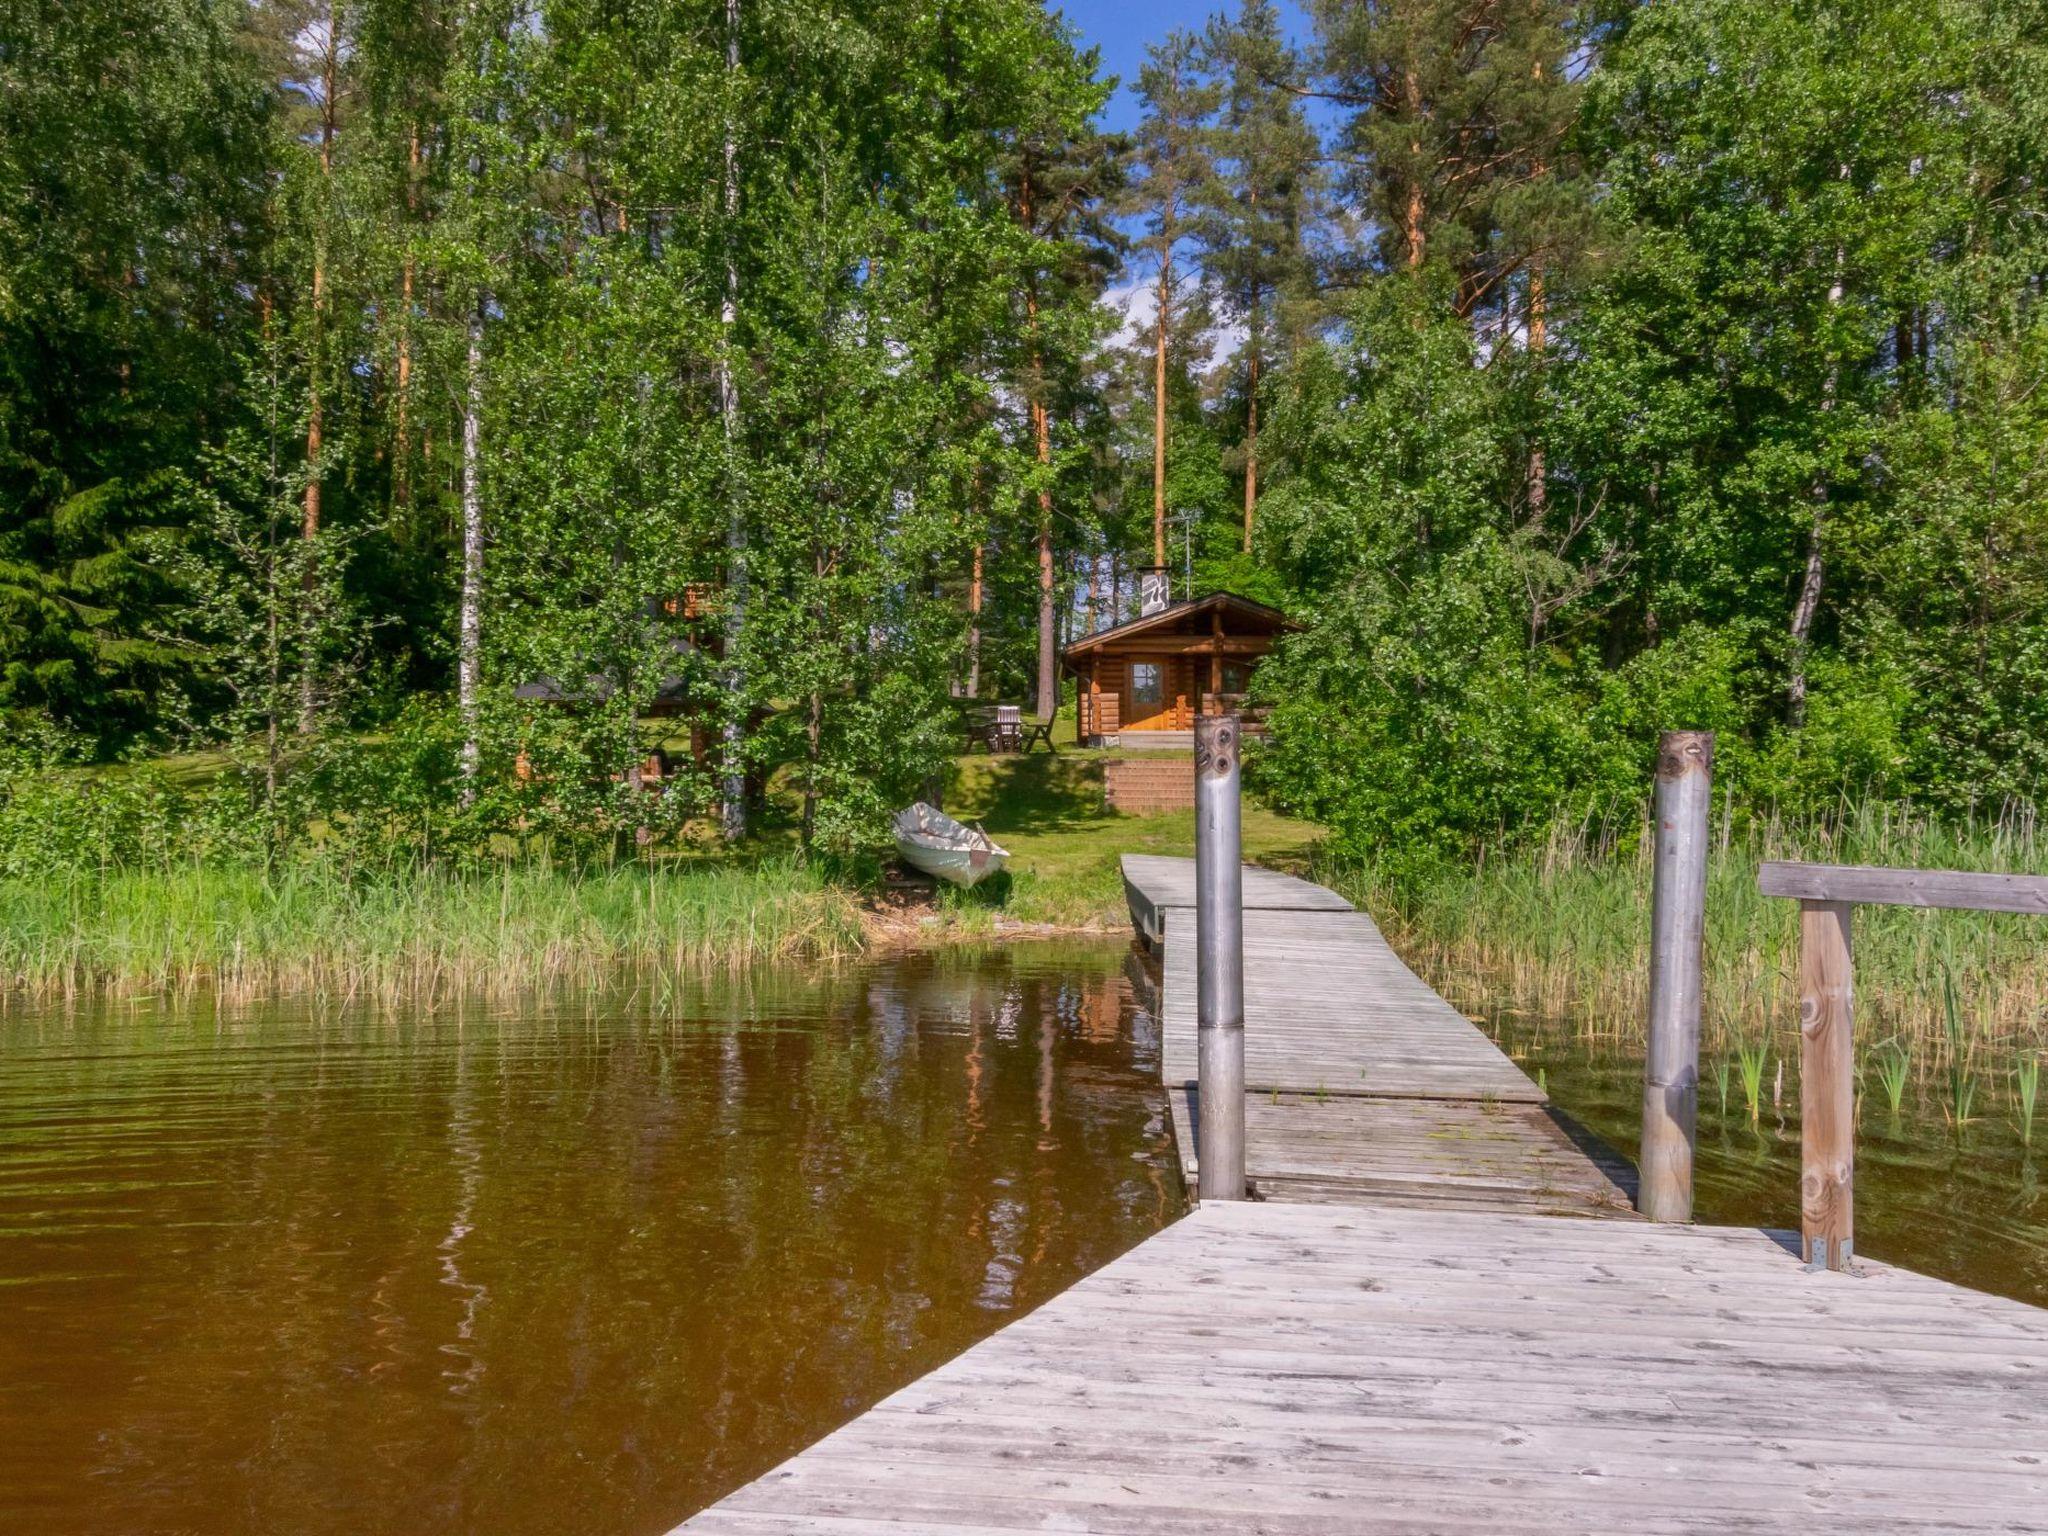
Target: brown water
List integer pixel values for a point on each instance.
(1968, 1205)
(581, 1267)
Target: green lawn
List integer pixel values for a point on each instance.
(1047, 810)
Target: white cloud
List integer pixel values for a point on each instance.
(1135, 305)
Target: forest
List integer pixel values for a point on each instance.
(372, 369)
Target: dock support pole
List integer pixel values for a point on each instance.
(1827, 1086)
(1219, 959)
(1678, 903)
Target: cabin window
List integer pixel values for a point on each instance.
(1148, 686)
(1237, 676)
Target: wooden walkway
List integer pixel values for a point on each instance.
(1361, 1083)
(1403, 1335)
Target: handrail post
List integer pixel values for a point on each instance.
(1219, 960)
(1827, 1088)
(1678, 901)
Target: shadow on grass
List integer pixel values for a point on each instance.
(1036, 793)
(992, 894)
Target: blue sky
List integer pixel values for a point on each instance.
(1122, 28)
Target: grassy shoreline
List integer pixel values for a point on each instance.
(416, 936)
(1563, 935)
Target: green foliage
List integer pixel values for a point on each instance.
(131, 144)
(1792, 475)
(1412, 716)
(1674, 366)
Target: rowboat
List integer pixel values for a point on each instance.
(930, 840)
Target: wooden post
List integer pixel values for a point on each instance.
(1827, 1092)
(1219, 961)
(1216, 654)
(1678, 900)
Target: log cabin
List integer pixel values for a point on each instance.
(1156, 672)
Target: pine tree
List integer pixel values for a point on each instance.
(1060, 174)
(1458, 111)
(1173, 150)
(1261, 204)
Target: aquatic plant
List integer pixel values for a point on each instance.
(2026, 1074)
(1962, 1083)
(1560, 927)
(1894, 1062)
(1752, 1054)
(1723, 1067)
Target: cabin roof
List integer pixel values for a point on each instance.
(671, 694)
(1243, 615)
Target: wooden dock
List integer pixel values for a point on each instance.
(1376, 1088)
(1408, 1333)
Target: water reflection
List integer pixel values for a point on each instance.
(588, 1265)
(1963, 1205)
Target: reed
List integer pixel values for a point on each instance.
(2026, 1076)
(408, 933)
(1561, 929)
(1894, 1062)
(1962, 1082)
(1751, 1055)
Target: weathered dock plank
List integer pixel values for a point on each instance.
(1156, 883)
(1297, 1368)
(1473, 1155)
(1329, 1008)
(1333, 1018)
(1400, 1335)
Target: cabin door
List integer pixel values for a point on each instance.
(1149, 702)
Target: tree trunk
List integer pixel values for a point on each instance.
(974, 627)
(732, 781)
(309, 528)
(1048, 660)
(1251, 446)
(1412, 215)
(401, 470)
(469, 642)
(1041, 434)
(315, 406)
(1159, 413)
(1806, 606)
(1539, 339)
(814, 721)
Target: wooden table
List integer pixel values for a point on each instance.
(1003, 728)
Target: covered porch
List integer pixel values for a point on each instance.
(1149, 678)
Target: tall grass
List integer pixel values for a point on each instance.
(1563, 930)
(407, 933)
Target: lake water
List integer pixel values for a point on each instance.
(1968, 1205)
(576, 1266)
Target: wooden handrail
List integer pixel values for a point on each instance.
(1871, 885)
(1828, 895)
